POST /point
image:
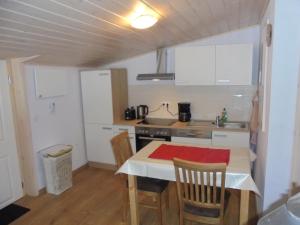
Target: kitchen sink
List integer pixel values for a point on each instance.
(229, 125)
(234, 125)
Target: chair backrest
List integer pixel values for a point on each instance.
(121, 148)
(197, 184)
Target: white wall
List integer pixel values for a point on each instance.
(207, 102)
(264, 106)
(63, 125)
(276, 143)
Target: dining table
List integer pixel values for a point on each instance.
(238, 174)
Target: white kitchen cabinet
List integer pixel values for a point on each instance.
(230, 138)
(104, 99)
(189, 140)
(214, 65)
(50, 82)
(97, 96)
(98, 143)
(104, 95)
(131, 133)
(195, 65)
(122, 128)
(234, 64)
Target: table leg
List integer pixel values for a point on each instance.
(134, 212)
(244, 207)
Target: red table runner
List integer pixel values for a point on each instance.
(196, 154)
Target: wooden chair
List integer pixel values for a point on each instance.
(148, 188)
(200, 199)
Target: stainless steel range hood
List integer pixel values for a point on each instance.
(161, 69)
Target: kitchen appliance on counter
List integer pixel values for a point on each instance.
(142, 111)
(127, 114)
(130, 113)
(184, 111)
(144, 133)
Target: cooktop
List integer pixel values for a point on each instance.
(158, 121)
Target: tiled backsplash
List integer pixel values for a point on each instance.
(206, 101)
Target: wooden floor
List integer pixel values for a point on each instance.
(95, 199)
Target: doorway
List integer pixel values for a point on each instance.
(10, 175)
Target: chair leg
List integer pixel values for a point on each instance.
(125, 206)
(167, 197)
(180, 218)
(159, 210)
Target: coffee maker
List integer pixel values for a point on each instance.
(184, 111)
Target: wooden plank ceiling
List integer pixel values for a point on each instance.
(94, 32)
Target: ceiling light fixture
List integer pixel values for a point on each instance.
(155, 79)
(143, 16)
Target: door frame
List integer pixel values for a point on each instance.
(295, 177)
(9, 157)
(21, 118)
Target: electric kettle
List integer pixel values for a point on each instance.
(142, 111)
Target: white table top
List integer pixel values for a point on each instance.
(238, 173)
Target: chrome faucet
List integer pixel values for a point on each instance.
(217, 121)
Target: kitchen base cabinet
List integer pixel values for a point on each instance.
(188, 140)
(230, 139)
(131, 133)
(98, 143)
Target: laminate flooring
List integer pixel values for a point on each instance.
(95, 199)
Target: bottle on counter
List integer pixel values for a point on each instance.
(224, 117)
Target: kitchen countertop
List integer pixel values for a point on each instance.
(183, 125)
(128, 122)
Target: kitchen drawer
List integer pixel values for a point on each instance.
(190, 140)
(230, 139)
(120, 129)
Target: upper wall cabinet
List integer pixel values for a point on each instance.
(214, 65)
(104, 95)
(195, 65)
(50, 82)
(234, 64)
(97, 96)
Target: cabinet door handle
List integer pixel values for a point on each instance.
(106, 128)
(103, 74)
(180, 82)
(123, 129)
(220, 135)
(223, 81)
(152, 139)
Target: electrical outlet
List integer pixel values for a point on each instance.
(165, 103)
